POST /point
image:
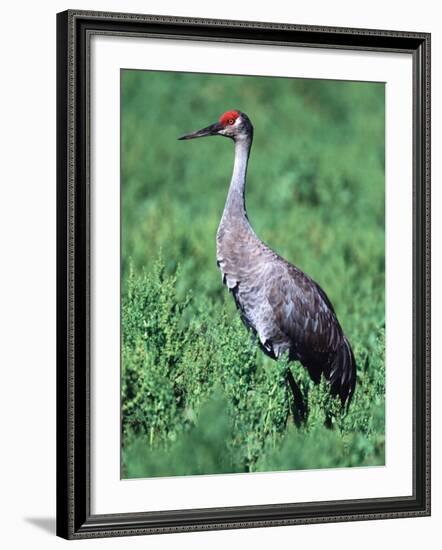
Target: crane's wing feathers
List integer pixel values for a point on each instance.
(304, 313)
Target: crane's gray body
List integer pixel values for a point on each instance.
(285, 308)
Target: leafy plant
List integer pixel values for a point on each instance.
(199, 397)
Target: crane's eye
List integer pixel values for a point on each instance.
(231, 121)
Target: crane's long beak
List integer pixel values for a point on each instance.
(211, 130)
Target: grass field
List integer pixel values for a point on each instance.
(198, 396)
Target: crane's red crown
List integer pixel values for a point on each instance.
(228, 117)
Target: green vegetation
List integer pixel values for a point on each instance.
(198, 396)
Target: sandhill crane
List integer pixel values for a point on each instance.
(287, 310)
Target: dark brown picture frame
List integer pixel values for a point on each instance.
(74, 518)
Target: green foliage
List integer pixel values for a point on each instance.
(154, 337)
(198, 396)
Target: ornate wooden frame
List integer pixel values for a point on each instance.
(74, 30)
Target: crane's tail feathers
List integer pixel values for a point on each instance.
(342, 375)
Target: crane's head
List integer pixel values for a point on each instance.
(233, 124)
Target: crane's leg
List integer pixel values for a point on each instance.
(299, 407)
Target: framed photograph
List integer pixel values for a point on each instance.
(233, 356)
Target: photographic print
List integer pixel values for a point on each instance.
(252, 274)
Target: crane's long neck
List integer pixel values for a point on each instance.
(235, 202)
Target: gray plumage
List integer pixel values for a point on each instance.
(284, 307)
